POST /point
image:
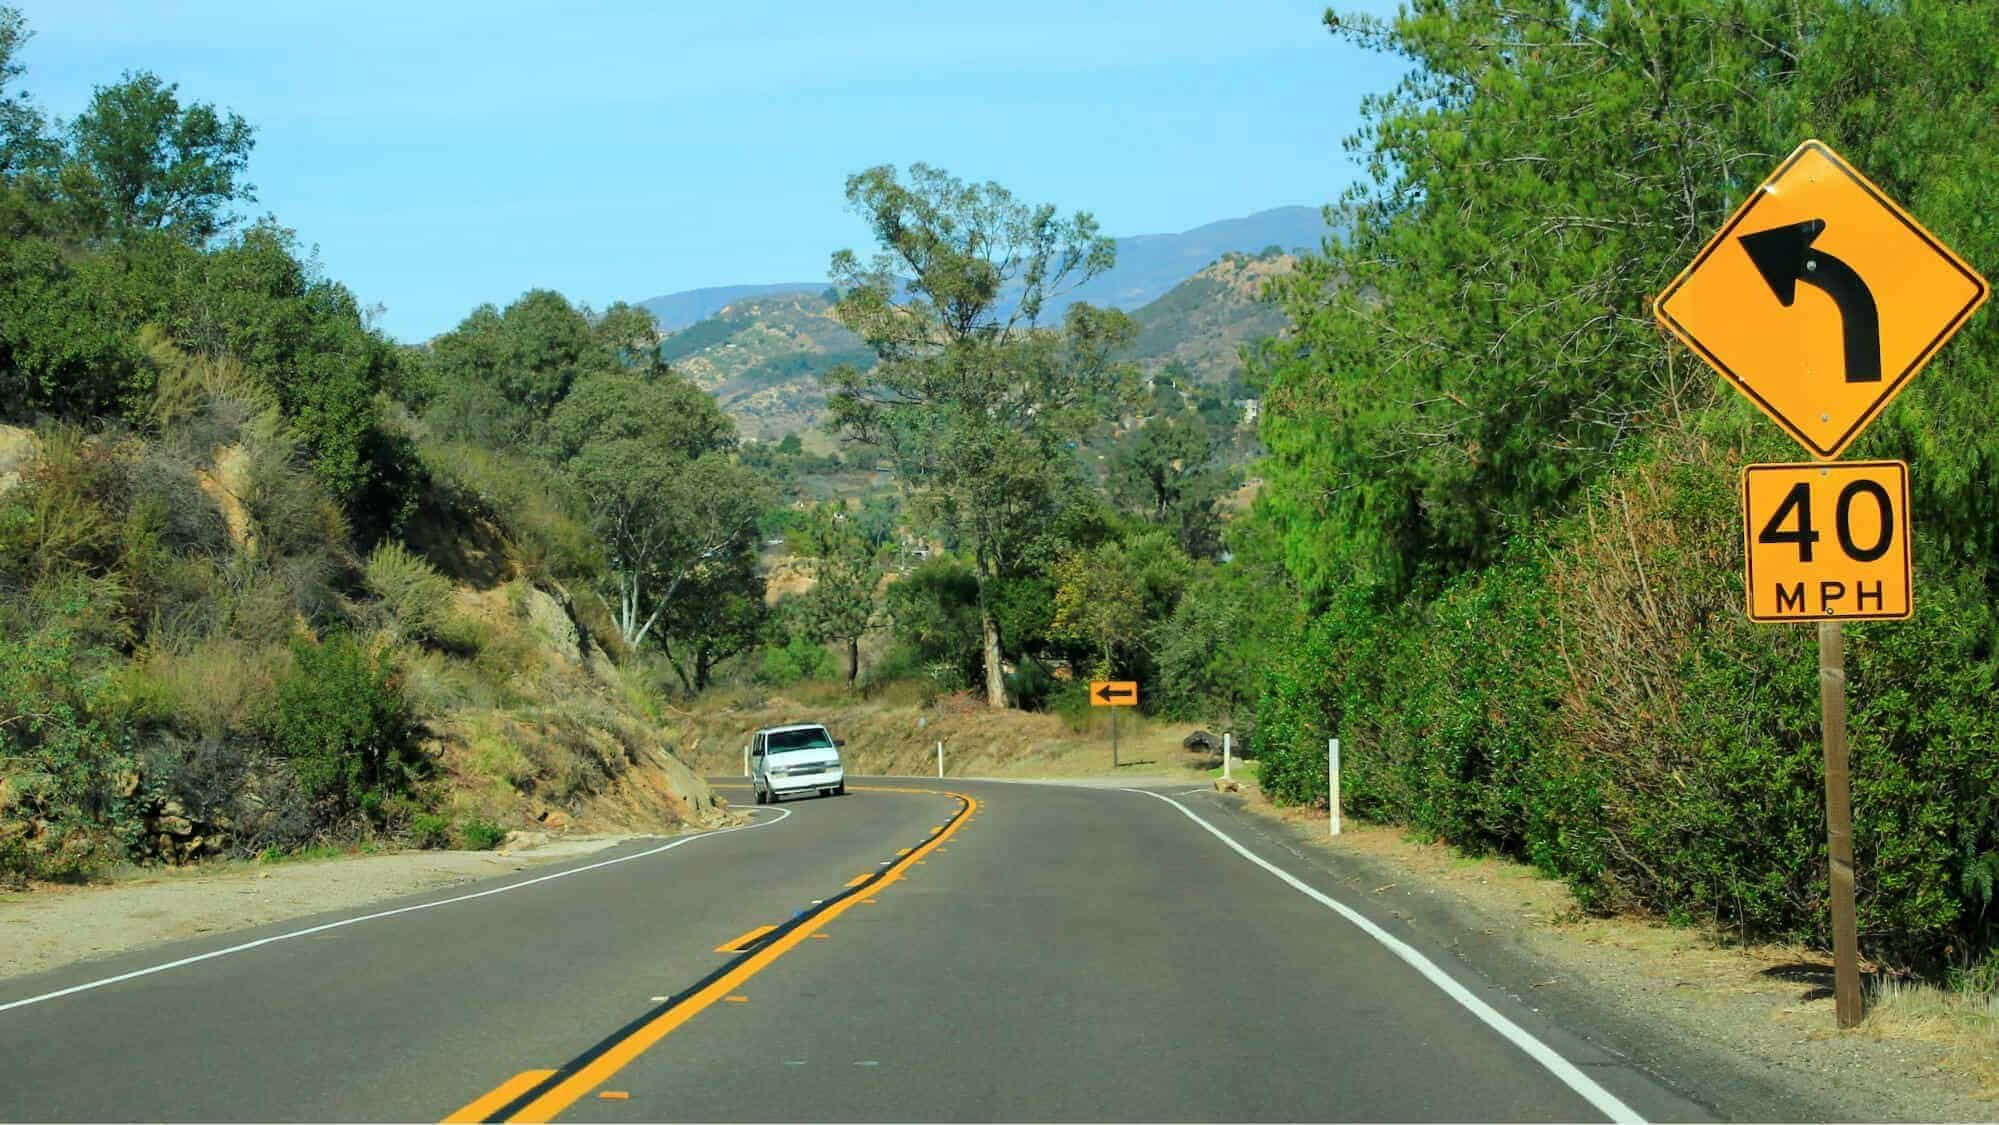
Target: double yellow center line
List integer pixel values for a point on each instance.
(538, 1095)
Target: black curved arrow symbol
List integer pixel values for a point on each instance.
(1784, 256)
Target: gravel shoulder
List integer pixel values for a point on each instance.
(52, 926)
(1698, 1009)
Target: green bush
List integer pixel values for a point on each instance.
(64, 751)
(798, 658)
(415, 598)
(1597, 704)
(1031, 686)
(339, 717)
(935, 610)
(429, 830)
(900, 663)
(1071, 700)
(481, 835)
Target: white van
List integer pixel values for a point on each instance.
(802, 758)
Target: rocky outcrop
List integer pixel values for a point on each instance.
(18, 449)
(552, 624)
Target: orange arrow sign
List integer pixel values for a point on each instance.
(1113, 693)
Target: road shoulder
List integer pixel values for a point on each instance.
(1744, 1031)
(51, 927)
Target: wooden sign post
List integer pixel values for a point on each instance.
(1114, 694)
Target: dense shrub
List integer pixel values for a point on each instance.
(65, 759)
(1071, 700)
(415, 600)
(798, 658)
(480, 834)
(165, 497)
(934, 611)
(1598, 704)
(430, 830)
(541, 513)
(338, 716)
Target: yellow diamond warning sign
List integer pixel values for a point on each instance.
(1827, 542)
(1820, 299)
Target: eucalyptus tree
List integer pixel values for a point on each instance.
(673, 507)
(977, 403)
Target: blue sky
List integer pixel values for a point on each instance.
(442, 154)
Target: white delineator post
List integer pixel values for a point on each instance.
(1333, 781)
(746, 759)
(1225, 757)
(940, 759)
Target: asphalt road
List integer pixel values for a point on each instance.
(957, 951)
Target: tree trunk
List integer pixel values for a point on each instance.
(666, 646)
(853, 660)
(995, 680)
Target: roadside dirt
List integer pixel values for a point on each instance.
(51, 926)
(894, 735)
(1768, 1007)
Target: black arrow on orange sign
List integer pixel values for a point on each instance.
(1784, 256)
(1106, 693)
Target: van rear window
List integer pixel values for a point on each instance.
(812, 738)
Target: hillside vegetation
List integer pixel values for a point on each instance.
(267, 579)
(762, 358)
(1202, 325)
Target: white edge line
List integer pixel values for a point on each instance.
(1605, 1101)
(380, 914)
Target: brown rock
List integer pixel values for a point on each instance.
(518, 841)
(176, 826)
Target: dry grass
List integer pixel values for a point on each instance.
(789, 576)
(1965, 1024)
(217, 687)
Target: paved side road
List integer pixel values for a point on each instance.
(912, 951)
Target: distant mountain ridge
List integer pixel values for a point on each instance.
(762, 357)
(678, 310)
(1148, 265)
(1203, 323)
